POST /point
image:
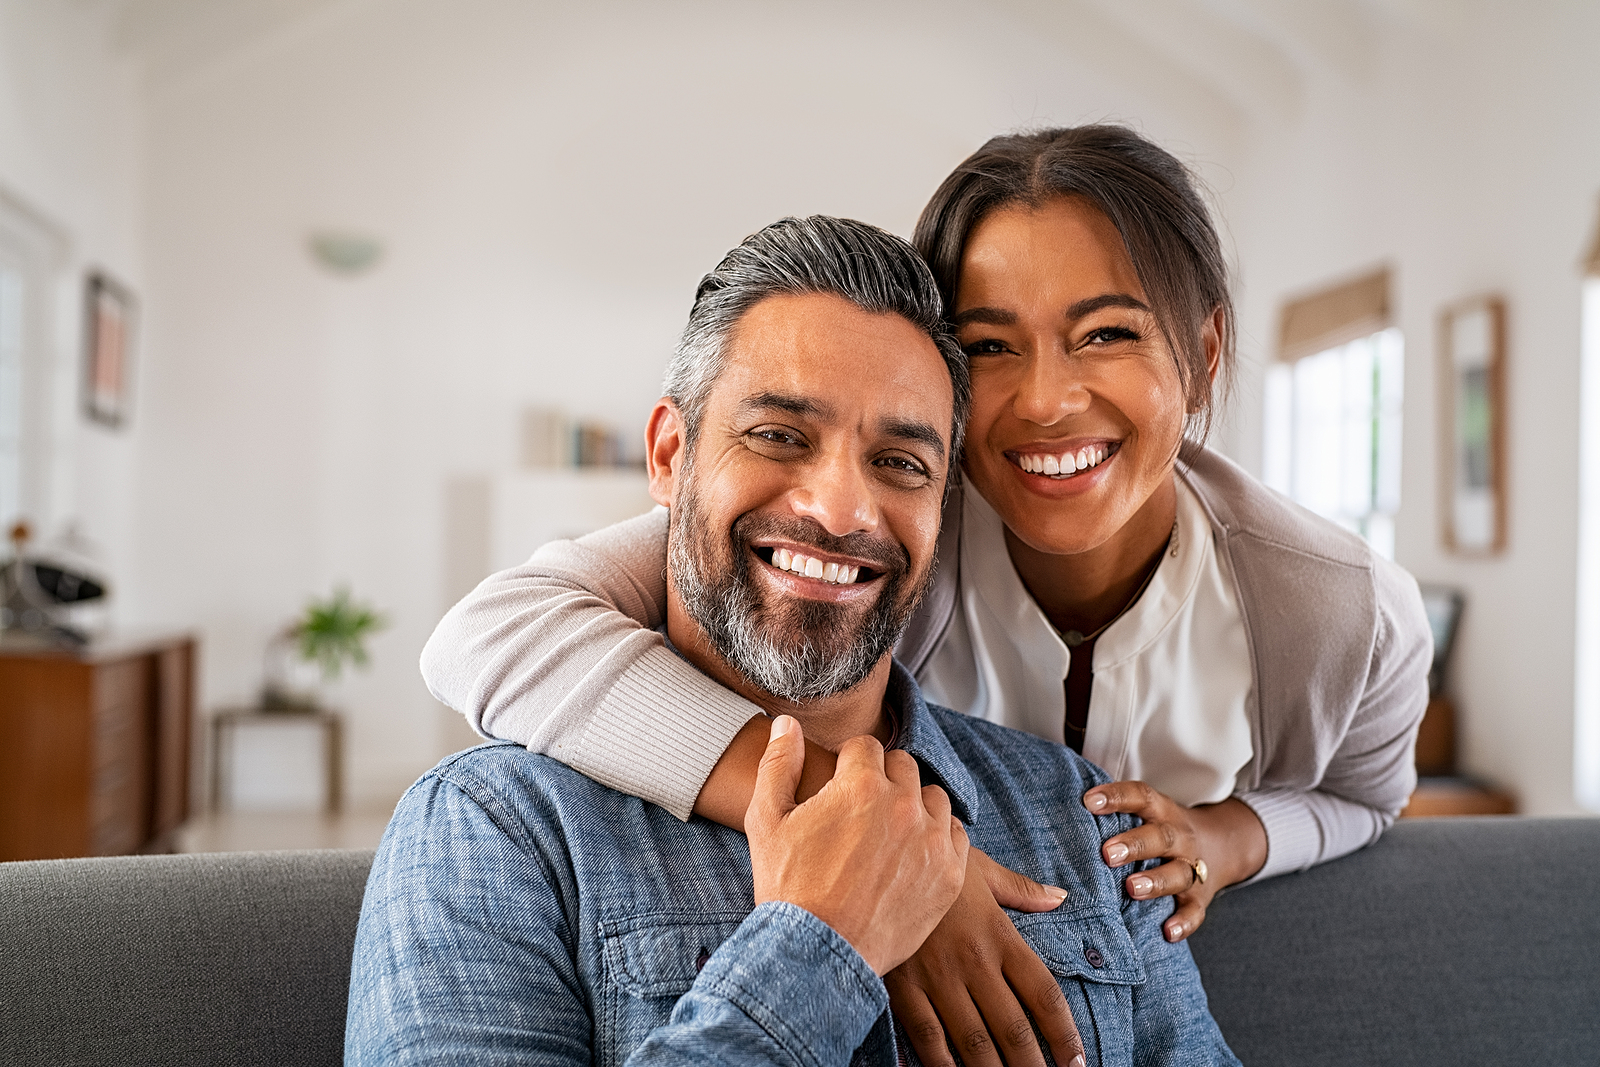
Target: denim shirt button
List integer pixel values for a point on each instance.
(1092, 954)
(705, 955)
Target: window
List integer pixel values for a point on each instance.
(31, 253)
(1333, 409)
(10, 393)
(1586, 740)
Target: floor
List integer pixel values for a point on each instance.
(263, 831)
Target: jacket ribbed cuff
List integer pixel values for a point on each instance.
(1294, 836)
(660, 741)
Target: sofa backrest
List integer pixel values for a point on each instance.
(167, 961)
(1449, 941)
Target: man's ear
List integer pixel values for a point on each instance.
(665, 450)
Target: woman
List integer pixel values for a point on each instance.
(1254, 674)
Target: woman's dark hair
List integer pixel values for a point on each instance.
(1149, 197)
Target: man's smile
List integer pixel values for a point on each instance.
(803, 561)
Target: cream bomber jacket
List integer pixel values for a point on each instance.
(561, 654)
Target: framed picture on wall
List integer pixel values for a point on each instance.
(107, 348)
(1472, 406)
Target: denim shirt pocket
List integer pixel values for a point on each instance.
(1093, 957)
(650, 961)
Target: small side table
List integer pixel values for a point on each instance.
(225, 721)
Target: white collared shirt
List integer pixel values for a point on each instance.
(1173, 687)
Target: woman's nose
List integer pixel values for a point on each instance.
(1049, 390)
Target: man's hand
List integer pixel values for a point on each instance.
(1227, 836)
(974, 981)
(875, 855)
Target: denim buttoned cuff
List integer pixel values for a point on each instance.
(797, 979)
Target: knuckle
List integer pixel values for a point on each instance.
(1049, 997)
(1018, 1034)
(976, 1041)
(1169, 835)
(927, 1037)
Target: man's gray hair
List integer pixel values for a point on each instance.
(872, 268)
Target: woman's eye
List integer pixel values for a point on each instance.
(987, 347)
(1107, 335)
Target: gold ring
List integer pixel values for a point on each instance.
(1199, 870)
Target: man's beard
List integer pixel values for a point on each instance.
(796, 649)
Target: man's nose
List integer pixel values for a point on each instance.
(836, 492)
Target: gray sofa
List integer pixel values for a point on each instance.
(1450, 941)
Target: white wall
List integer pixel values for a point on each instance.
(70, 140)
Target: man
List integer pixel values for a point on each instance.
(519, 912)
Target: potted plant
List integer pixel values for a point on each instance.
(329, 636)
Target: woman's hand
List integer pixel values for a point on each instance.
(974, 978)
(1227, 836)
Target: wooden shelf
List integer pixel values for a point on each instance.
(1457, 796)
(94, 746)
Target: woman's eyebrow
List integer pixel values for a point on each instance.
(985, 316)
(1092, 304)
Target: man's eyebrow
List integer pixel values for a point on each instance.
(792, 405)
(913, 430)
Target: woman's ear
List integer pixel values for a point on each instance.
(665, 450)
(1212, 334)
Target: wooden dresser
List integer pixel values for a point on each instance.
(94, 746)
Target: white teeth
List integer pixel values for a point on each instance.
(834, 573)
(1066, 463)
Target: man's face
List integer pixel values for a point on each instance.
(805, 521)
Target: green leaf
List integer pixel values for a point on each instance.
(333, 632)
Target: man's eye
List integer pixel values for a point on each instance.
(902, 465)
(776, 437)
(986, 347)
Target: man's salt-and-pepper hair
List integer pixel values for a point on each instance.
(873, 269)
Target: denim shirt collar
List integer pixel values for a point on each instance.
(921, 736)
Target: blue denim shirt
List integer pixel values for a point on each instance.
(518, 912)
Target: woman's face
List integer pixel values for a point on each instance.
(1077, 408)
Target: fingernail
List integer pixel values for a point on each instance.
(1077, 1061)
(1116, 854)
(1095, 801)
(781, 725)
(1139, 885)
(1059, 893)
(1175, 932)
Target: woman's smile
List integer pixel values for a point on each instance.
(1058, 462)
